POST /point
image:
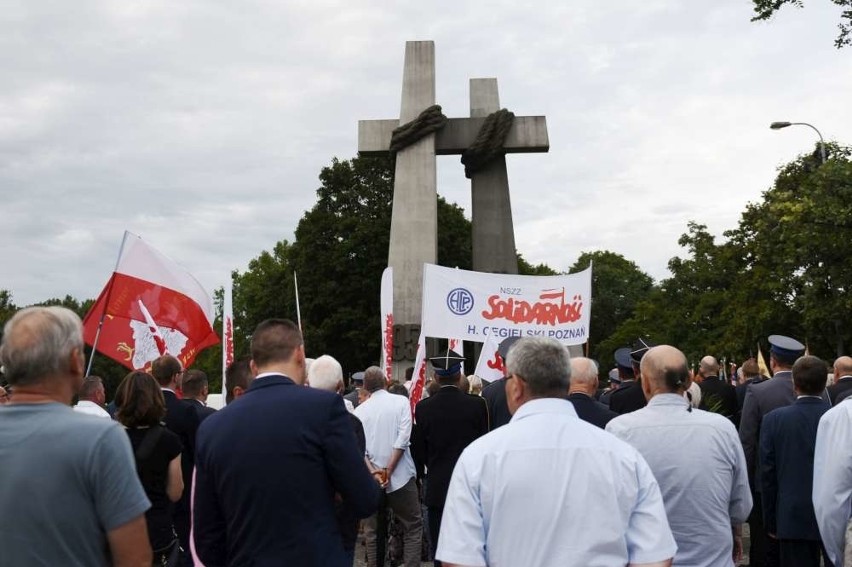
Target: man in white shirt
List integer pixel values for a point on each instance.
(549, 489)
(92, 398)
(387, 426)
(697, 459)
(832, 493)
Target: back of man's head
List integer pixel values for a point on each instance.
(91, 389)
(194, 384)
(842, 367)
(750, 369)
(37, 344)
(709, 366)
(810, 374)
(325, 374)
(238, 378)
(374, 379)
(584, 375)
(665, 369)
(543, 364)
(274, 341)
(164, 370)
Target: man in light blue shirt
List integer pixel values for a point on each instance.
(696, 457)
(832, 494)
(549, 489)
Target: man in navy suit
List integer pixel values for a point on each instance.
(584, 384)
(787, 440)
(195, 391)
(270, 464)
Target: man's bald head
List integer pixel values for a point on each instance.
(709, 366)
(584, 376)
(38, 343)
(665, 369)
(842, 367)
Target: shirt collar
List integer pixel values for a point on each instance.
(544, 405)
(668, 400)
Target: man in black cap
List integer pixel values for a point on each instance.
(614, 383)
(495, 392)
(630, 397)
(761, 399)
(445, 424)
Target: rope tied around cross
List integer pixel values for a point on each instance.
(487, 145)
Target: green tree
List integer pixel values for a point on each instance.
(765, 9)
(617, 286)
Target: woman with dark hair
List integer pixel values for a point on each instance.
(141, 407)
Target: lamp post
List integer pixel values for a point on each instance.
(779, 125)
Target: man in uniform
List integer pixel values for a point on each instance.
(696, 458)
(495, 392)
(445, 424)
(761, 399)
(630, 397)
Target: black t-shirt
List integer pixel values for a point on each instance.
(154, 473)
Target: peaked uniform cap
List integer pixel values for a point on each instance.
(448, 364)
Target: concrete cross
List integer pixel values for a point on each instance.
(414, 222)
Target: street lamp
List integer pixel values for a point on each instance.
(779, 125)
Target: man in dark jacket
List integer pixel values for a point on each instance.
(630, 397)
(445, 424)
(717, 396)
(787, 440)
(842, 379)
(584, 384)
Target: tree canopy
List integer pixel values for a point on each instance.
(765, 9)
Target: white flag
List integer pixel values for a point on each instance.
(457, 345)
(227, 337)
(386, 307)
(490, 364)
(418, 379)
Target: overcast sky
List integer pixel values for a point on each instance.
(202, 126)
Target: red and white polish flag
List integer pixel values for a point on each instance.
(490, 364)
(386, 307)
(227, 336)
(418, 379)
(177, 304)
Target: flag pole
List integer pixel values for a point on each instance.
(106, 304)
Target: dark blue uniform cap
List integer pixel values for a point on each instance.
(786, 348)
(623, 360)
(640, 347)
(448, 364)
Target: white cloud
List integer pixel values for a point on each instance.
(203, 126)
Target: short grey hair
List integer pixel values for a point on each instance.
(374, 379)
(37, 342)
(325, 373)
(584, 370)
(543, 363)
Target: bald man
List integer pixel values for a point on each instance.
(717, 395)
(581, 392)
(697, 459)
(842, 379)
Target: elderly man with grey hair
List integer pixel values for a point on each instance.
(549, 489)
(696, 457)
(69, 481)
(325, 373)
(581, 393)
(387, 427)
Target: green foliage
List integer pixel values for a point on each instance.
(617, 286)
(527, 269)
(765, 9)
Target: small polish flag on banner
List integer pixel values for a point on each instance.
(418, 380)
(177, 305)
(386, 306)
(227, 336)
(155, 330)
(490, 364)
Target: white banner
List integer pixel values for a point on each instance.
(490, 364)
(386, 307)
(474, 305)
(418, 378)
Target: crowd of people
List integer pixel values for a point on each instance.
(539, 468)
